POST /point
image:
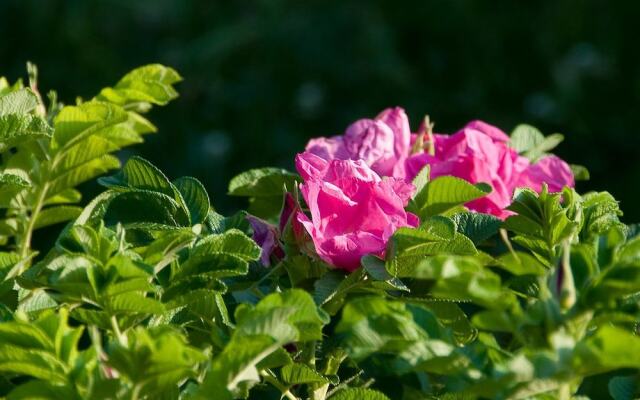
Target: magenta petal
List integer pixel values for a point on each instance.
(310, 165)
(550, 170)
(396, 119)
(353, 210)
(489, 130)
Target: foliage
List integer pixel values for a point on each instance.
(148, 292)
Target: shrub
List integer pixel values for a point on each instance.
(148, 292)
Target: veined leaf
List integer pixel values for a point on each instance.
(16, 129)
(139, 173)
(20, 101)
(476, 226)
(141, 208)
(296, 374)
(149, 84)
(195, 197)
(76, 123)
(359, 394)
(445, 193)
(232, 242)
(608, 349)
(262, 182)
(529, 141)
(56, 215)
(82, 173)
(235, 368)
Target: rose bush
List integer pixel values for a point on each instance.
(391, 266)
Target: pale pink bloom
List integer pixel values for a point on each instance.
(383, 143)
(353, 210)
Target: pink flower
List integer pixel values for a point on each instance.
(480, 153)
(353, 210)
(550, 170)
(382, 143)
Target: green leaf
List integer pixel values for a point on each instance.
(56, 215)
(263, 182)
(460, 278)
(445, 193)
(358, 394)
(149, 84)
(195, 197)
(235, 368)
(580, 172)
(41, 390)
(408, 246)
(298, 309)
(233, 242)
(76, 123)
(139, 173)
(476, 226)
(17, 129)
(19, 102)
(610, 348)
(155, 360)
(530, 142)
(145, 209)
(10, 185)
(624, 387)
(81, 173)
(521, 263)
(296, 374)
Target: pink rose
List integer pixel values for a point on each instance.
(383, 143)
(353, 210)
(550, 170)
(480, 153)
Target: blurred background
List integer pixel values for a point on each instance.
(262, 77)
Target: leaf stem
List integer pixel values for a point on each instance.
(276, 383)
(25, 245)
(116, 330)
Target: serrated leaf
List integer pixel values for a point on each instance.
(17, 129)
(610, 348)
(232, 242)
(82, 173)
(138, 208)
(580, 172)
(623, 387)
(359, 394)
(150, 83)
(445, 193)
(262, 182)
(296, 374)
(56, 215)
(195, 197)
(139, 173)
(530, 142)
(76, 123)
(235, 368)
(476, 226)
(18, 102)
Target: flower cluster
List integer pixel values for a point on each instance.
(357, 185)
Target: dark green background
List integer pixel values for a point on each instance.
(261, 77)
